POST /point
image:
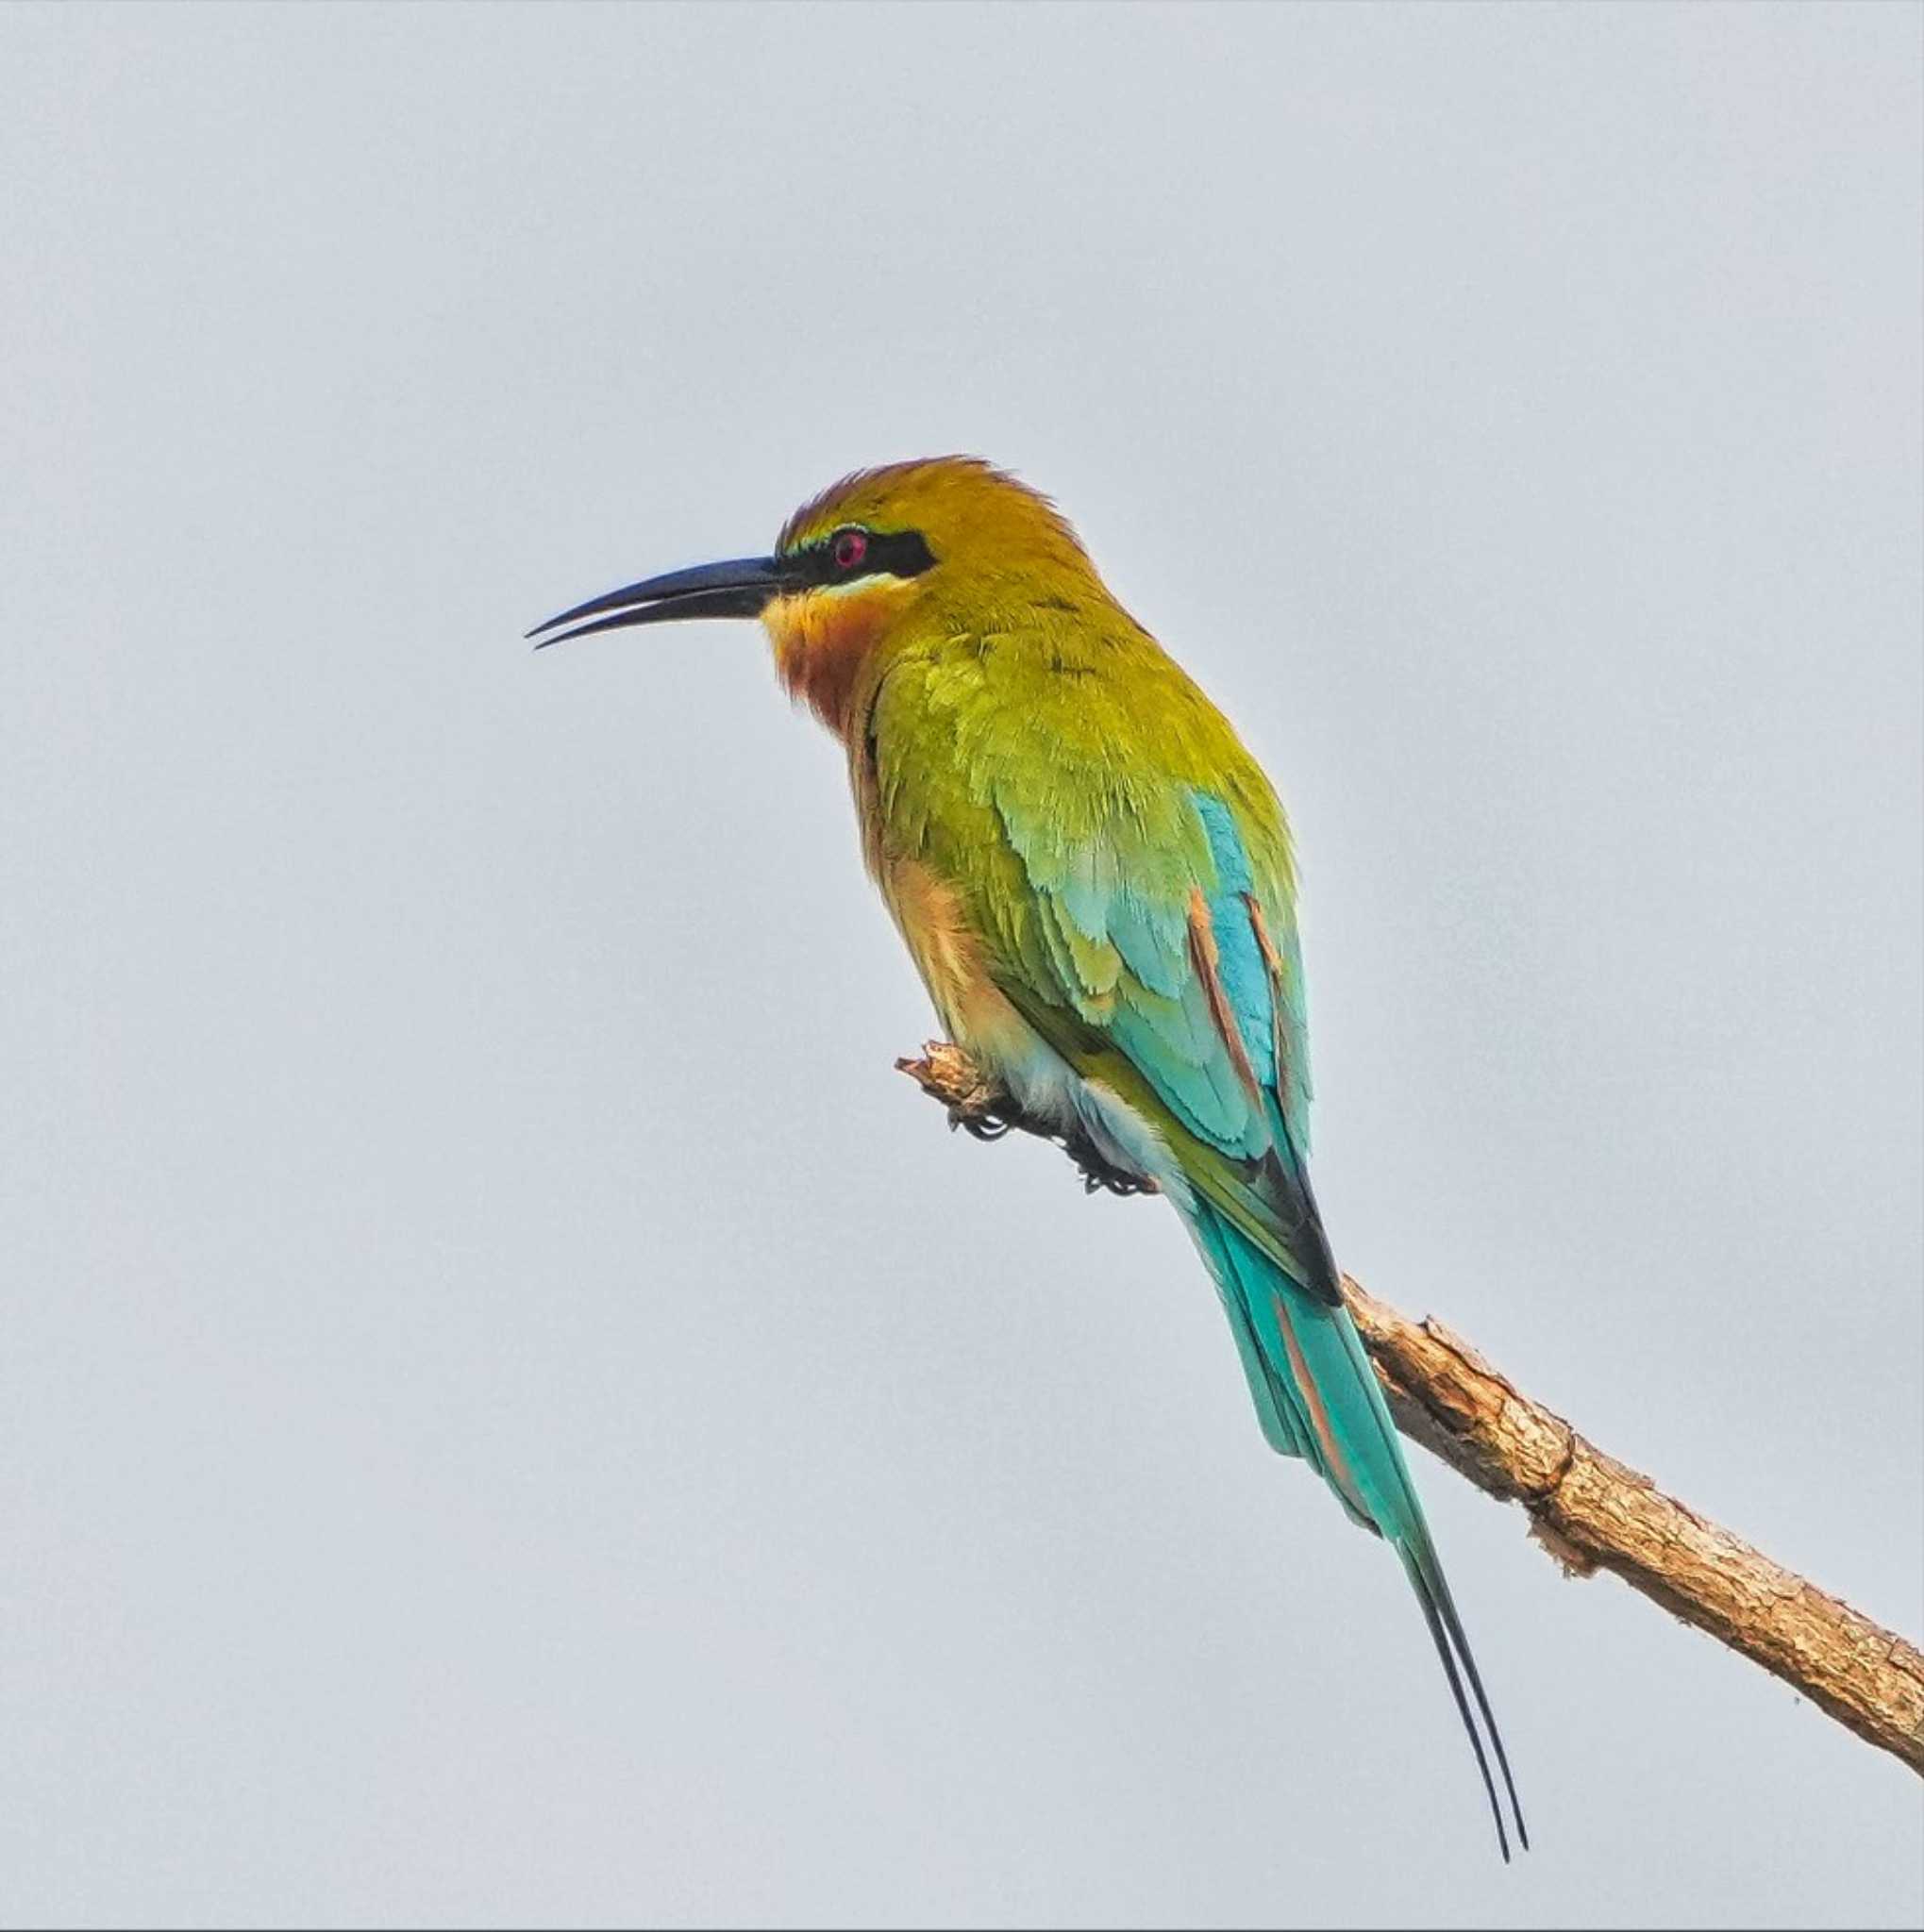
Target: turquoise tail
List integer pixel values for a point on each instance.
(1317, 1397)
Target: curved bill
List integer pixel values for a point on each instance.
(736, 589)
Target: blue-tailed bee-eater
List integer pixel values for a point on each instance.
(1096, 881)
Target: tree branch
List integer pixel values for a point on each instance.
(1586, 1508)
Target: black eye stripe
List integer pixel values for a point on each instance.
(884, 553)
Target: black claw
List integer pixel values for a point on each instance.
(1099, 1175)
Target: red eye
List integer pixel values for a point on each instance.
(851, 546)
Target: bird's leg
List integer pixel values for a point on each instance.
(987, 1112)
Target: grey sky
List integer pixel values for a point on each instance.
(513, 1410)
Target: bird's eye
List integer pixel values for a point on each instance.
(849, 548)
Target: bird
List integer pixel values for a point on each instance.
(1097, 884)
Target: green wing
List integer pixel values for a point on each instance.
(1128, 867)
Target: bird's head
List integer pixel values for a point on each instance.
(942, 533)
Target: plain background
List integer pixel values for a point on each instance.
(512, 1412)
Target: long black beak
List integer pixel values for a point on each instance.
(736, 589)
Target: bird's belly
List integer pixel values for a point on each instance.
(974, 1010)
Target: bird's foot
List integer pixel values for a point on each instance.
(985, 1112)
(1099, 1174)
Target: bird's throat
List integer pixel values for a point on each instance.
(824, 642)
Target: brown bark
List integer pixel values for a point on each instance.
(1587, 1509)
